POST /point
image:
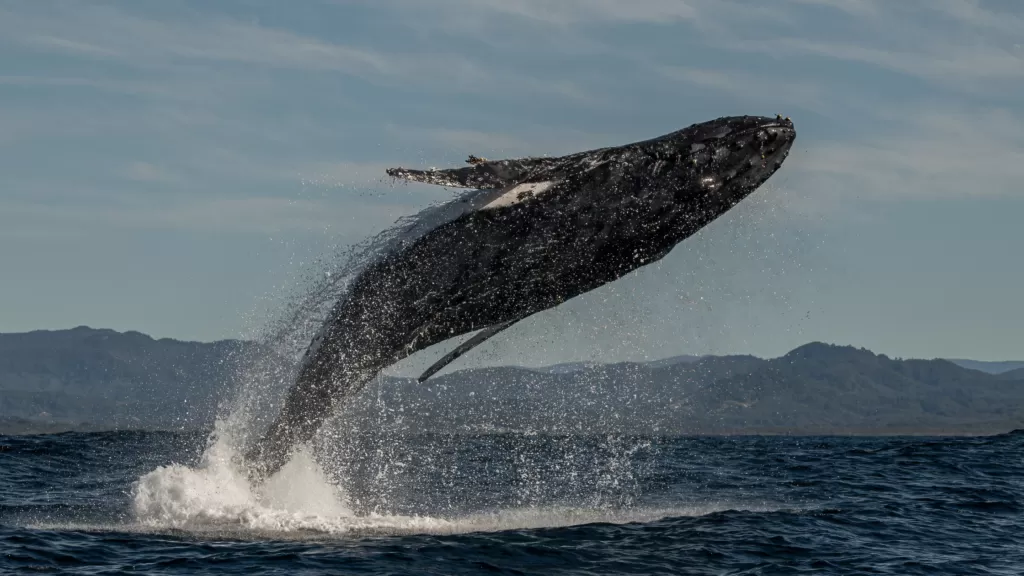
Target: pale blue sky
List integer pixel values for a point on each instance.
(169, 166)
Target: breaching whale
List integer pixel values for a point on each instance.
(533, 233)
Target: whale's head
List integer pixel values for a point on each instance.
(665, 188)
(715, 164)
(720, 161)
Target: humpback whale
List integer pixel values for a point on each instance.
(530, 234)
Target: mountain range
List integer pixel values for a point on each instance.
(86, 379)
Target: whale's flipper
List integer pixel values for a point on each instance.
(466, 346)
(482, 174)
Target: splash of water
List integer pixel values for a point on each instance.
(216, 493)
(215, 497)
(302, 497)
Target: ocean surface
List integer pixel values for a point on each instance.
(166, 503)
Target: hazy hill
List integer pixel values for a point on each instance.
(841, 388)
(1017, 374)
(990, 367)
(85, 378)
(102, 378)
(817, 388)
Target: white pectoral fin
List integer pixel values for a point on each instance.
(478, 339)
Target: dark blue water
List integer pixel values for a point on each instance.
(529, 505)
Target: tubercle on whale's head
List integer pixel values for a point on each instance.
(726, 159)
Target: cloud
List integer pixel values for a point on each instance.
(973, 13)
(525, 140)
(948, 42)
(122, 86)
(954, 43)
(740, 83)
(102, 32)
(938, 62)
(470, 140)
(852, 7)
(147, 172)
(566, 12)
(347, 200)
(278, 215)
(910, 38)
(71, 46)
(252, 215)
(924, 155)
(105, 32)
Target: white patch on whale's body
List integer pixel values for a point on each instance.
(471, 201)
(517, 193)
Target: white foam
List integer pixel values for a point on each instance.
(216, 494)
(299, 501)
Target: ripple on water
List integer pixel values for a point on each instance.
(82, 503)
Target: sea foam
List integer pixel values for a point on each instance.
(300, 501)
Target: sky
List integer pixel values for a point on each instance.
(176, 167)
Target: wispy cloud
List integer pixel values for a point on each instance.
(70, 46)
(975, 14)
(852, 7)
(147, 172)
(106, 32)
(529, 140)
(943, 41)
(253, 215)
(741, 83)
(932, 154)
(950, 42)
(103, 32)
(566, 12)
(938, 61)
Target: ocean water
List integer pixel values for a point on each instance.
(165, 503)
